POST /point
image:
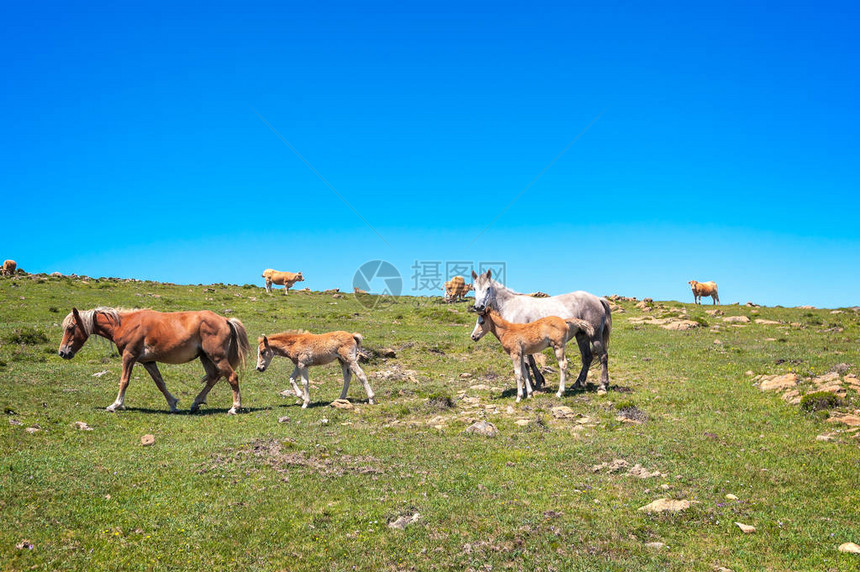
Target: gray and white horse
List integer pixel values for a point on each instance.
(521, 308)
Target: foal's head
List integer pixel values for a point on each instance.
(265, 353)
(482, 326)
(75, 334)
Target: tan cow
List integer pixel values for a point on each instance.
(456, 288)
(285, 279)
(9, 267)
(705, 289)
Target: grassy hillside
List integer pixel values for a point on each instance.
(319, 489)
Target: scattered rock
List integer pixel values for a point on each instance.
(32, 430)
(736, 319)
(147, 440)
(766, 322)
(100, 373)
(14, 422)
(611, 467)
(29, 545)
(484, 428)
(522, 422)
(342, 404)
(82, 426)
(480, 387)
(562, 412)
(465, 375)
(681, 325)
(849, 547)
(718, 342)
(806, 308)
(778, 382)
(337, 295)
(641, 472)
(826, 437)
(731, 497)
(655, 545)
(666, 505)
(283, 419)
(745, 528)
(404, 520)
(850, 420)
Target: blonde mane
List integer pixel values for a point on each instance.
(88, 317)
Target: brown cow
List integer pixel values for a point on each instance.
(456, 289)
(9, 268)
(705, 289)
(285, 279)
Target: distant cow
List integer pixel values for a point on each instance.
(705, 289)
(285, 279)
(9, 267)
(456, 289)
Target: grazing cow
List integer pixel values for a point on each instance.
(285, 279)
(705, 289)
(9, 267)
(305, 349)
(147, 336)
(521, 340)
(456, 289)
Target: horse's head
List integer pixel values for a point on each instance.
(299, 277)
(265, 353)
(75, 334)
(485, 291)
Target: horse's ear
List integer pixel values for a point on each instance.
(489, 273)
(474, 276)
(77, 315)
(265, 341)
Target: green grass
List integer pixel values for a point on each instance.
(317, 492)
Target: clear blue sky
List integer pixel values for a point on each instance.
(723, 143)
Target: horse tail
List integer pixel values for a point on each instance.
(239, 345)
(606, 321)
(358, 339)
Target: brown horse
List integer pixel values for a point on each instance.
(147, 336)
(521, 340)
(305, 349)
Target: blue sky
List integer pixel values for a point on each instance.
(708, 142)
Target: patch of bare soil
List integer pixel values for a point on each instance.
(281, 456)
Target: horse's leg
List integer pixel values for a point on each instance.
(524, 368)
(585, 351)
(562, 366)
(359, 373)
(539, 380)
(212, 377)
(159, 383)
(347, 376)
(125, 377)
(232, 378)
(306, 396)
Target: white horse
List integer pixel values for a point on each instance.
(522, 308)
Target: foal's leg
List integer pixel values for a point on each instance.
(518, 373)
(127, 364)
(585, 351)
(159, 383)
(306, 396)
(347, 376)
(359, 373)
(212, 377)
(562, 366)
(293, 377)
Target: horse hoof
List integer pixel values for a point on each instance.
(559, 394)
(371, 402)
(305, 405)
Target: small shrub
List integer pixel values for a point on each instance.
(701, 321)
(27, 336)
(820, 400)
(53, 310)
(440, 401)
